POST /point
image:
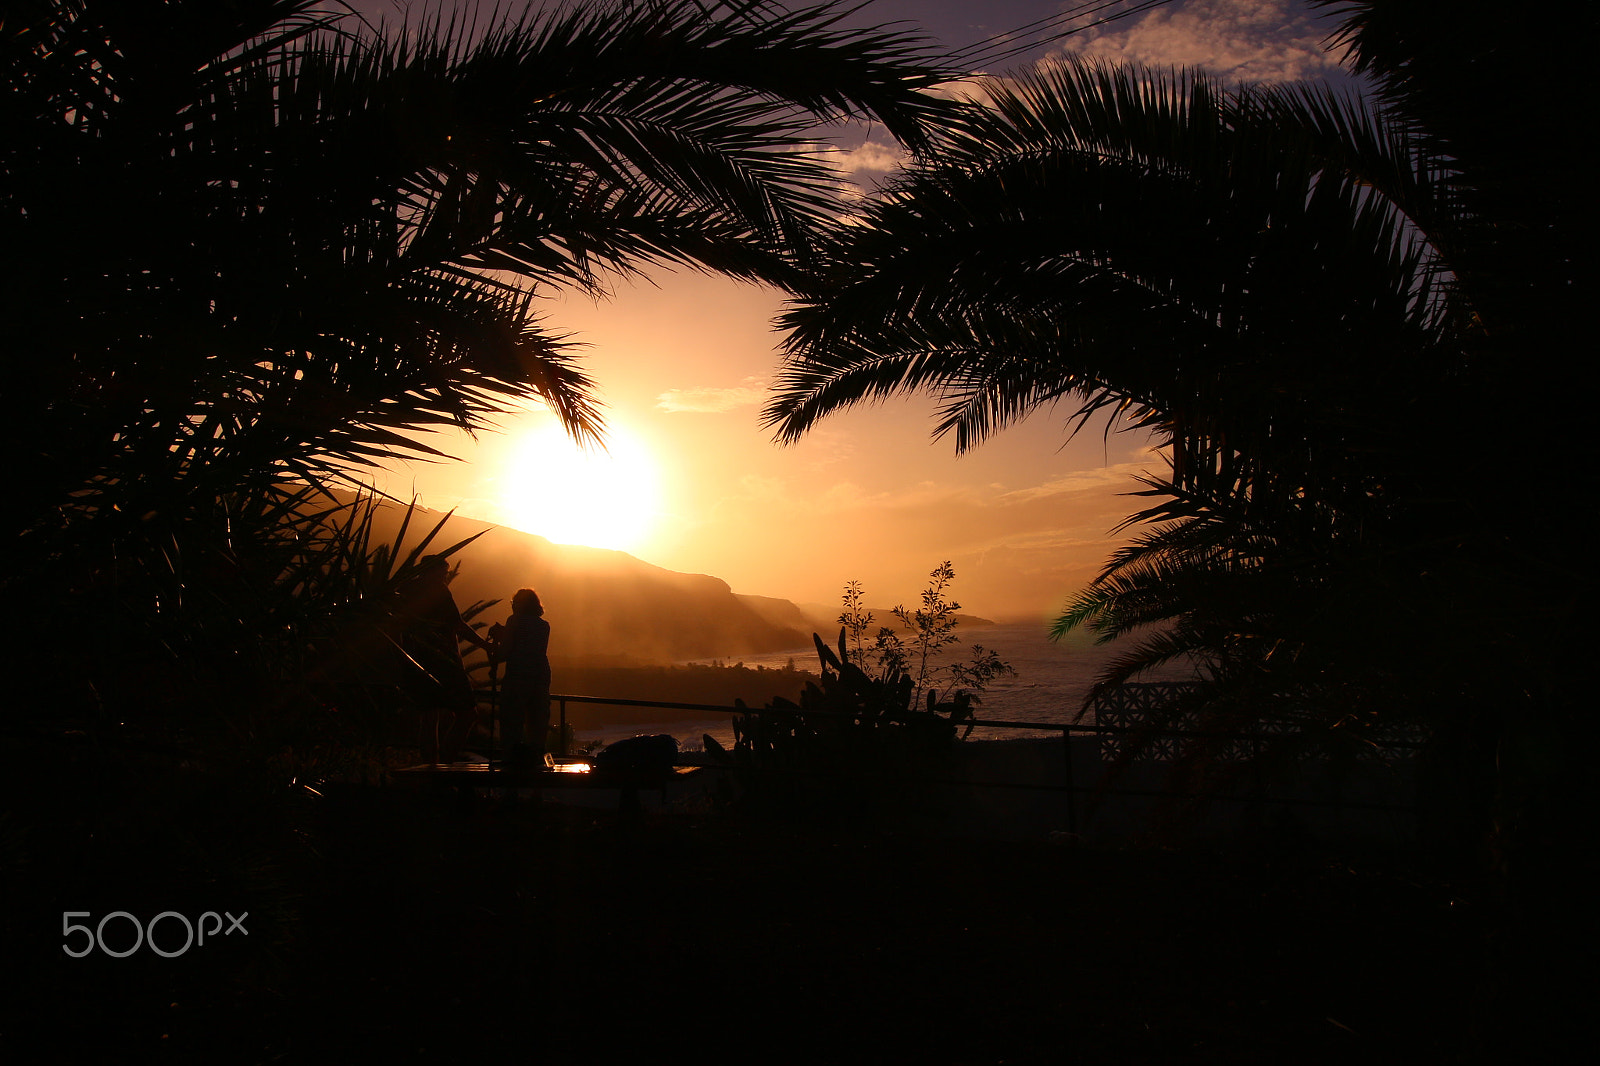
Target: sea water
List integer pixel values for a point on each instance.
(1049, 685)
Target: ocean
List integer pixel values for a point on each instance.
(1050, 683)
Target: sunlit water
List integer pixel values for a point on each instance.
(1050, 683)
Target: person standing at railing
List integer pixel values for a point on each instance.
(523, 645)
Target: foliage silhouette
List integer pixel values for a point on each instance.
(869, 733)
(853, 745)
(931, 628)
(270, 246)
(1305, 295)
(1155, 244)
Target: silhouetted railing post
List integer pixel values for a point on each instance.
(1072, 786)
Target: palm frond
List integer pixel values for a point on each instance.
(1142, 238)
(273, 246)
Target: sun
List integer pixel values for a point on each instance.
(604, 498)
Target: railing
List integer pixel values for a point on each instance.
(1068, 730)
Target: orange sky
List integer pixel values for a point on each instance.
(682, 366)
(866, 496)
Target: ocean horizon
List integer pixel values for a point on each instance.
(1051, 680)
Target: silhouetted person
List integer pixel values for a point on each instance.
(433, 626)
(524, 647)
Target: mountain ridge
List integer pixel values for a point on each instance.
(603, 605)
(607, 606)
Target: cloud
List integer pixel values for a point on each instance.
(1118, 476)
(705, 399)
(861, 168)
(1044, 541)
(871, 156)
(1236, 40)
(802, 495)
(867, 163)
(977, 88)
(827, 446)
(806, 499)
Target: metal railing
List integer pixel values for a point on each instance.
(1068, 730)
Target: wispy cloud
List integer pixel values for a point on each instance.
(706, 399)
(865, 163)
(976, 88)
(871, 156)
(1119, 476)
(1237, 40)
(839, 497)
(1044, 540)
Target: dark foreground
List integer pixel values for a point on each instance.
(409, 926)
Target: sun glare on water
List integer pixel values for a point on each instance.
(604, 498)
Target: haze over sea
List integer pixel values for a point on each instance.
(1051, 680)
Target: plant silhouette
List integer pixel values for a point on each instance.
(271, 245)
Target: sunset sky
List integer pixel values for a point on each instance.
(682, 361)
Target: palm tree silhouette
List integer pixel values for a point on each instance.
(264, 242)
(1321, 304)
(1227, 267)
(267, 246)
